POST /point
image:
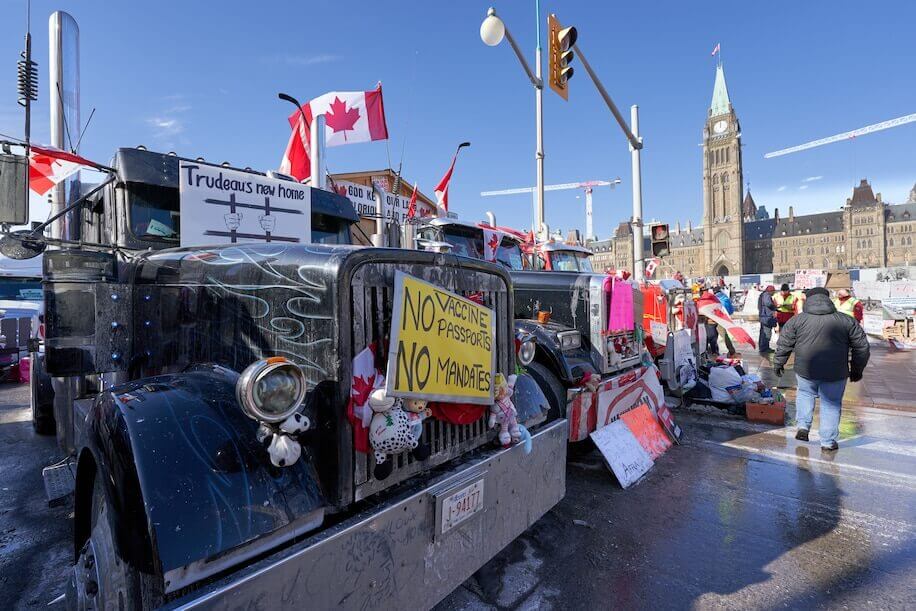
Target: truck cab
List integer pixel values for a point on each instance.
(560, 257)
(213, 405)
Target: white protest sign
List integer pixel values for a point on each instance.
(363, 199)
(624, 455)
(810, 278)
(223, 206)
(659, 332)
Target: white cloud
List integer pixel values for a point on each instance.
(302, 60)
(803, 187)
(812, 178)
(165, 127)
(781, 188)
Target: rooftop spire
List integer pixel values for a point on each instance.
(720, 102)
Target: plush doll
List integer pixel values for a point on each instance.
(281, 442)
(503, 411)
(417, 412)
(390, 431)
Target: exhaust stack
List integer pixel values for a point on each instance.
(64, 99)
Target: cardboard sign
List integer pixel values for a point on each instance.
(619, 394)
(667, 422)
(647, 431)
(659, 332)
(443, 346)
(222, 206)
(624, 456)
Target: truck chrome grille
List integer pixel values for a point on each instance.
(370, 310)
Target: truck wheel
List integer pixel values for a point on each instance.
(41, 397)
(101, 579)
(552, 388)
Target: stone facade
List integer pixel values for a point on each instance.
(739, 237)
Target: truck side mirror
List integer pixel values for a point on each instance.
(22, 244)
(14, 198)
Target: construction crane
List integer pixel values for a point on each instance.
(868, 129)
(587, 186)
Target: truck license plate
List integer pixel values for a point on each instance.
(461, 505)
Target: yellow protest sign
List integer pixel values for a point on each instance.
(443, 346)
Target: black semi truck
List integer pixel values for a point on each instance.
(172, 367)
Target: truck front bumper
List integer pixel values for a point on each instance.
(396, 555)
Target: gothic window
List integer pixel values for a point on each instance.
(727, 156)
(715, 179)
(725, 178)
(890, 241)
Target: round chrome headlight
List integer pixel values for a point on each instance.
(526, 352)
(271, 390)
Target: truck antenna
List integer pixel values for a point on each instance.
(83, 133)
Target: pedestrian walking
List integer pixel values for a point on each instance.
(785, 305)
(830, 347)
(766, 313)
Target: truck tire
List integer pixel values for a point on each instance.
(101, 579)
(552, 388)
(41, 397)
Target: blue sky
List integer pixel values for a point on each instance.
(201, 79)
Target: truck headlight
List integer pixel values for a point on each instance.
(526, 352)
(569, 340)
(271, 390)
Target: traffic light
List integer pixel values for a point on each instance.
(660, 242)
(560, 56)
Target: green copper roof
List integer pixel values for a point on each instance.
(720, 101)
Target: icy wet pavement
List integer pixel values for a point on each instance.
(740, 516)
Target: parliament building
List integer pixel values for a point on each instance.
(738, 237)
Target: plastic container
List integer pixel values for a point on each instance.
(767, 413)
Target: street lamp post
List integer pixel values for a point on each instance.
(492, 32)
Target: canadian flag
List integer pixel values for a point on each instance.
(490, 244)
(366, 378)
(441, 189)
(412, 205)
(651, 267)
(716, 49)
(350, 117)
(49, 166)
(710, 307)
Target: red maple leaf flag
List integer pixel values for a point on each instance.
(442, 188)
(490, 244)
(412, 205)
(350, 117)
(49, 166)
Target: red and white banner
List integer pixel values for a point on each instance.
(710, 307)
(441, 189)
(490, 244)
(651, 266)
(350, 117)
(412, 204)
(49, 166)
(589, 411)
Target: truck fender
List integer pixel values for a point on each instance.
(193, 491)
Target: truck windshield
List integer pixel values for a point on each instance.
(20, 289)
(468, 242)
(154, 211)
(329, 230)
(569, 261)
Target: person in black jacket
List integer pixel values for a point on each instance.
(822, 340)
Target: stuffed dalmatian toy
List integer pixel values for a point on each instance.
(281, 442)
(391, 431)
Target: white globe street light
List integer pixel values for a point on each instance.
(492, 30)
